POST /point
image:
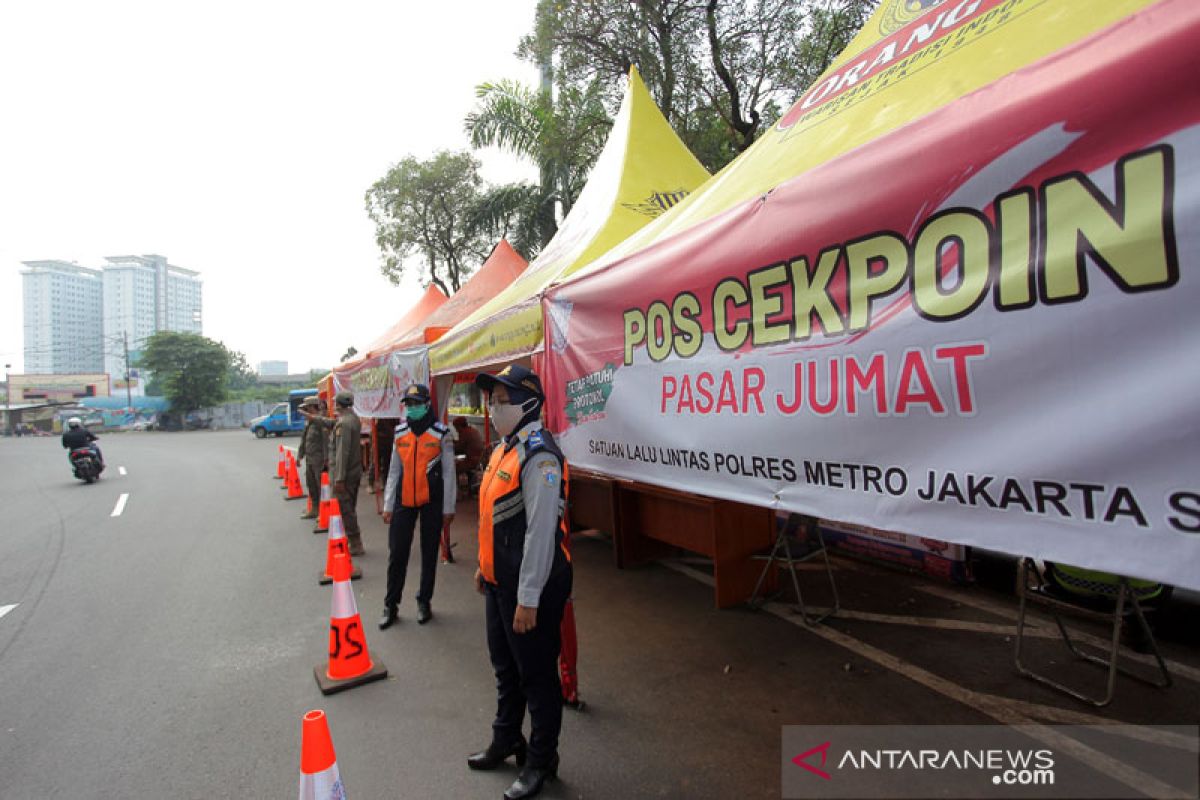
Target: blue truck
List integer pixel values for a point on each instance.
(284, 418)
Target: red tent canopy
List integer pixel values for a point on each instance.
(396, 335)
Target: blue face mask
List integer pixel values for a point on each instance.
(416, 412)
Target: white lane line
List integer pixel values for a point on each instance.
(1043, 625)
(5, 609)
(120, 505)
(121, 470)
(1000, 709)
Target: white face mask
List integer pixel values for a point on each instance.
(506, 416)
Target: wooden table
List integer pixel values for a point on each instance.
(648, 522)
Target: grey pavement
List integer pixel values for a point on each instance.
(169, 651)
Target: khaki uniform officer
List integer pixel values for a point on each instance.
(345, 467)
(314, 445)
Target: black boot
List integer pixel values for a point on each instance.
(424, 613)
(496, 753)
(531, 780)
(389, 616)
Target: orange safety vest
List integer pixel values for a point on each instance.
(419, 455)
(502, 520)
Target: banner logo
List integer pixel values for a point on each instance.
(800, 761)
(898, 13)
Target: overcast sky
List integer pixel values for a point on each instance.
(237, 139)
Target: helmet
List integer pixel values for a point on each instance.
(344, 399)
(74, 422)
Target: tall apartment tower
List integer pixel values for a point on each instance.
(63, 312)
(143, 295)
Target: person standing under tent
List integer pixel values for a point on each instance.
(421, 487)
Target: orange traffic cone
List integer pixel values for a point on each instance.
(332, 509)
(350, 663)
(294, 490)
(337, 544)
(280, 465)
(319, 775)
(323, 508)
(287, 469)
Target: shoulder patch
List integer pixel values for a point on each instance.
(549, 471)
(439, 427)
(535, 440)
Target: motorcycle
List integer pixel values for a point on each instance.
(86, 464)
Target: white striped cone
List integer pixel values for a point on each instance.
(319, 775)
(326, 492)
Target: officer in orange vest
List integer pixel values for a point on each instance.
(525, 576)
(421, 485)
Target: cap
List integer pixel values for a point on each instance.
(418, 392)
(311, 400)
(514, 376)
(460, 422)
(344, 399)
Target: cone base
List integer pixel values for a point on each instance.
(297, 497)
(325, 580)
(328, 685)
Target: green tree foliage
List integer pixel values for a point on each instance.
(192, 370)
(721, 70)
(562, 138)
(240, 375)
(429, 208)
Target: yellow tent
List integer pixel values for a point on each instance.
(643, 170)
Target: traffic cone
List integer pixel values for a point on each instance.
(287, 469)
(350, 663)
(280, 465)
(334, 509)
(567, 659)
(319, 775)
(323, 507)
(337, 544)
(295, 490)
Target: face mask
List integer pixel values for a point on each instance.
(416, 412)
(506, 417)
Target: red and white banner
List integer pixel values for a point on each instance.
(378, 382)
(981, 327)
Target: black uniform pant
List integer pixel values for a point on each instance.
(400, 536)
(526, 666)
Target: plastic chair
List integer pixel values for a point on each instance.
(1033, 587)
(798, 541)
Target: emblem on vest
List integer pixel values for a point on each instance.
(504, 476)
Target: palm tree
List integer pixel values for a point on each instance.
(562, 139)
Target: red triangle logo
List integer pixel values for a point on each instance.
(800, 761)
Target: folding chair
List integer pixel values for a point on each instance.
(798, 541)
(1126, 605)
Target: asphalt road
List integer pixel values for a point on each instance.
(169, 651)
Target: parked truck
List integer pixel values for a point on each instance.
(284, 418)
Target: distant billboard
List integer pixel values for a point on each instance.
(58, 388)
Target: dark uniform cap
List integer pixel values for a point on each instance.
(514, 376)
(344, 399)
(311, 400)
(418, 392)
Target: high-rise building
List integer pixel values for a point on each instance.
(144, 295)
(63, 318)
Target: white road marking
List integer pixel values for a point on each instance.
(120, 505)
(1001, 709)
(1043, 625)
(5, 609)
(121, 470)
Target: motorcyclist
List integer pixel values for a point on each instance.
(77, 436)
